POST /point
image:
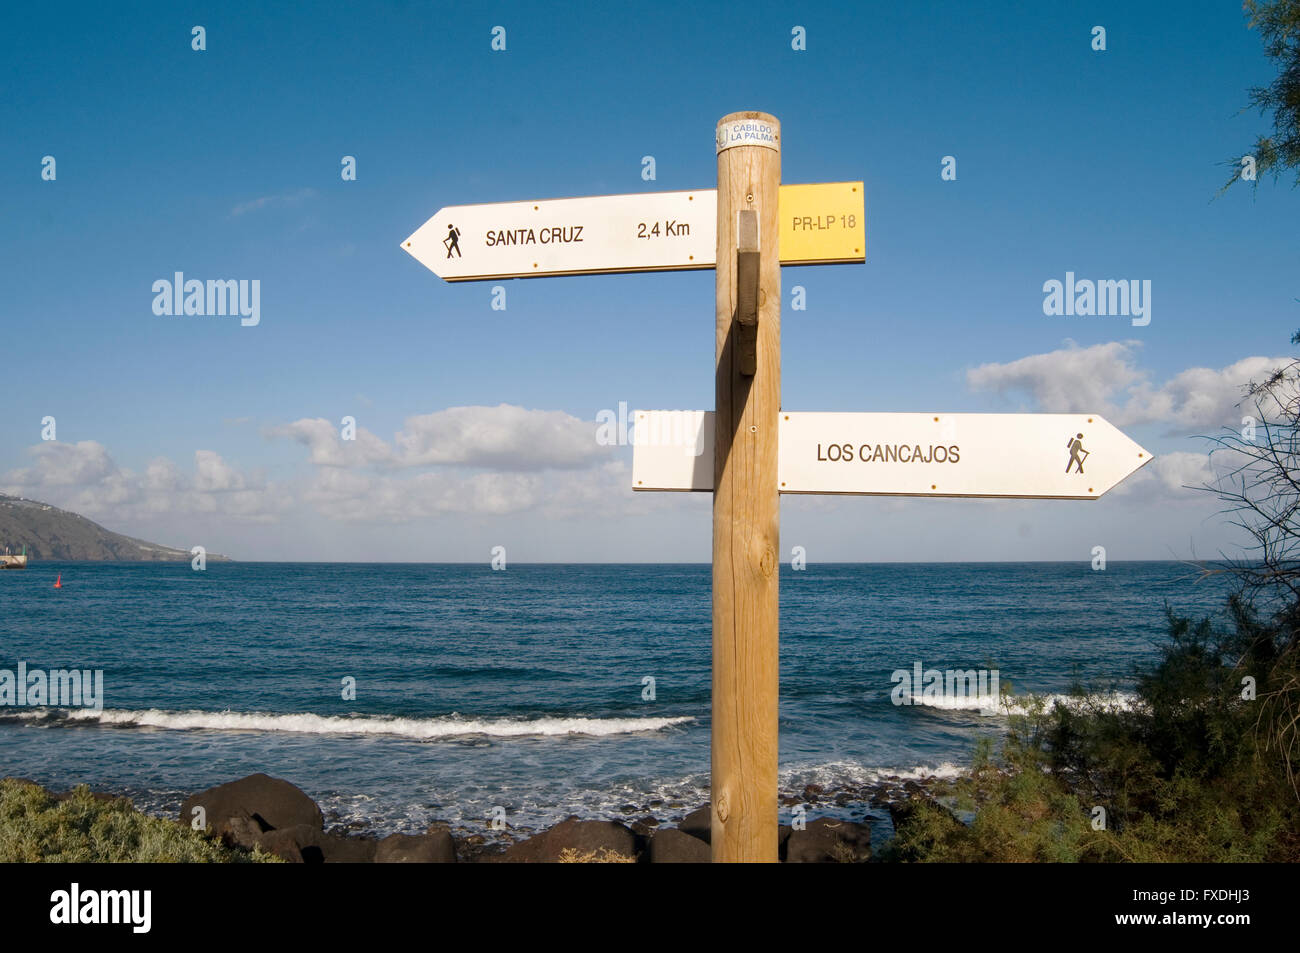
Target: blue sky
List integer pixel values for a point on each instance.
(225, 163)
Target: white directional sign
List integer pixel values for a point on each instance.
(1047, 456)
(648, 231)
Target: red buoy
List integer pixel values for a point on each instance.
(58, 583)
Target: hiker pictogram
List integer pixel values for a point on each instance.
(453, 233)
(1077, 453)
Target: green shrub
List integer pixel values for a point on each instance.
(1196, 771)
(37, 827)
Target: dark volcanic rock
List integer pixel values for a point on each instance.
(673, 846)
(698, 823)
(300, 844)
(645, 826)
(274, 804)
(435, 848)
(829, 841)
(349, 850)
(584, 837)
(241, 830)
(304, 844)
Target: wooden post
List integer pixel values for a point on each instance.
(746, 504)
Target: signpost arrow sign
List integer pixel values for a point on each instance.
(1022, 456)
(822, 223)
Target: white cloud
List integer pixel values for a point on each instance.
(599, 493)
(213, 475)
(1200, 397)
(1105, 379)
(1169, 476)
(327, 447)
(84, 478)
(476, 461)
(272, 201)
(65, 464)
(504, 437)
(1070, 380)
(383, 498)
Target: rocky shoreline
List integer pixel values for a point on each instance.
(277, 817)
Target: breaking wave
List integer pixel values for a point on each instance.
(1024, 704)
(449, 726)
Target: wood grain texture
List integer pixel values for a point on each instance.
(746, 520)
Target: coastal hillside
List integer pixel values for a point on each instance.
(51, 533)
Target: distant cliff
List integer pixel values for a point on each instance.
(51, 533)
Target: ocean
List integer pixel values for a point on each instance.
(527, 689)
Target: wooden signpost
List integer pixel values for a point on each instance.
(747, 451)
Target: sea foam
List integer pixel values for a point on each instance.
(1025, 704)
(449, 726)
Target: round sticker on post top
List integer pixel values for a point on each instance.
(747, 132)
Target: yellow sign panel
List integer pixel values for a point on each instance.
(823, 223)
